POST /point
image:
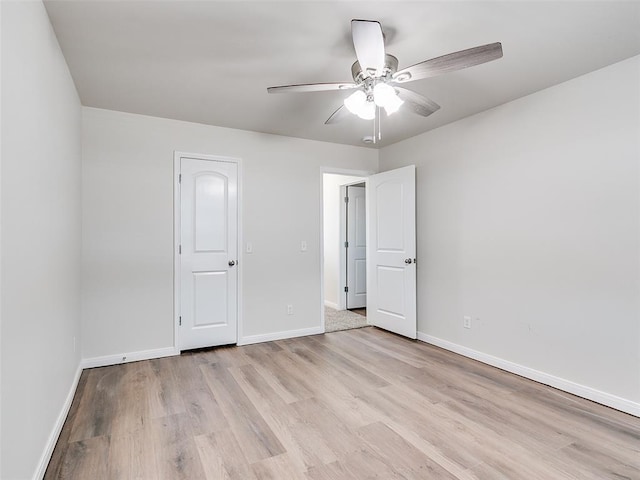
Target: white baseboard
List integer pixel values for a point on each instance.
(57, 428)
(128, 357)
(335, 306)
(270, 337)
(583, 391)
(90, 363)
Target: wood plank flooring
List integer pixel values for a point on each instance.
(357, 404)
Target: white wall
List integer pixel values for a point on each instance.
(332, 204)
(40, 203)
(128, 226)
(528, 221)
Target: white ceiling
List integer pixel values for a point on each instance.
(212, 61)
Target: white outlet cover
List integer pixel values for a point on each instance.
(249, 248)
(303, 246)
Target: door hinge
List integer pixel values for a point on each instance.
(346, 289)
(179, 249)
(180, 321)
(179, 178)
(346, 199)
(346, 244)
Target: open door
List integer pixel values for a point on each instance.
(391, 251)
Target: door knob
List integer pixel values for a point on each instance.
(408, 261)
(232, 263)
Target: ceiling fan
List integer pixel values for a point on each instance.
(377, 80)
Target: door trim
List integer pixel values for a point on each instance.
(336, 171)
(176, 239)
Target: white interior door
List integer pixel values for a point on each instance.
(356, 247)
(208, 258)
(391, 252)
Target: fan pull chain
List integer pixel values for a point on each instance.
(374, 126)
(377, 126)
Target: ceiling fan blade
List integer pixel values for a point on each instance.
(340, 114)
(368, 42)
(311, 87)
(416, 102)
(449, 63)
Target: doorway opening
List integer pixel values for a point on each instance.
(344, 251)
(390, 238)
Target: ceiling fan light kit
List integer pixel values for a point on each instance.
(376, 79)
(364, 104)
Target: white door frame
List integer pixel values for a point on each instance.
(176, 239)
(337, 171)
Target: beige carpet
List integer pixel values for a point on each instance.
(335, 320)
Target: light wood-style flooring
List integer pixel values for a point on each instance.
(357, 404)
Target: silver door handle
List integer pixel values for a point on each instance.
(408, 261)
(232, 263)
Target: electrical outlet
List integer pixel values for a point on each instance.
(466, 322)
(249, 248)
(289, 309)
(303, 246)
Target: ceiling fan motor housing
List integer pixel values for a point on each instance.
(390, 67)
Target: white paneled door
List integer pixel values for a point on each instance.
(356, 247)
(391, 253)
(208, 253)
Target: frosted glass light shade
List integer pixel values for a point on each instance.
(385, 96)
(367, 111)
(355, 101)
(393, 104)
(383, 93)
(357, 104)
